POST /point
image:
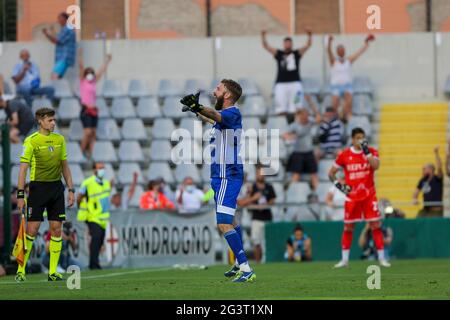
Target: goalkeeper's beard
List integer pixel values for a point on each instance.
(219, 103)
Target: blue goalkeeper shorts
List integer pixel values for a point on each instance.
(226, 192)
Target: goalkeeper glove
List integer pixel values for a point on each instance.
(343, 187)
(190, 103)
(365, 147)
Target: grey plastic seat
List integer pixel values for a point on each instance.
(40, 103)
(267, 149)
(62, 89)
(103, 109)
(254, 106)
(112, 89)
(160, 169)
(162, 128)
(126, 172)
(131, 151)
(323, 168)
(160, 150)
(39, 106)
(15, 175)
(16, 151)
(277, 211)
(250, 171)
(311, 85)
(107, 129)
(74, 153)
(134, 129)
(138, 88)
(77, 174)
(148, 109)
(362, 84)
(110, 174)
(172, 108)
(359, 121)
(187, 151)
(167, 88)
(322, 190)
(193, 86)
(193, 126)
(362, 105)
(251, 123)
(69, 109)
(75, 130)
(104, 152)
(297, 193)
(187, 170)
(249, 87)
(122, 108)
(206, 173)
(135, 199)
(276, 172)
(277, 122)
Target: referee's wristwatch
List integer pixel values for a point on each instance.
(72, 190)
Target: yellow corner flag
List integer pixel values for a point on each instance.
(20, 245)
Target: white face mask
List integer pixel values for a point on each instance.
(190, 188)
(101, 173)
(90, 77)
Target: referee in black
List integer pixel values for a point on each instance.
(44, 152)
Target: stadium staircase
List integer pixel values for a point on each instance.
(407, 136)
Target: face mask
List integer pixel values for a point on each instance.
(90, 77)
(100, 173)
(190, 188)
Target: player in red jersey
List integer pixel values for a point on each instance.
(359, 163)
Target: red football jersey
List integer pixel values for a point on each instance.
(359, 175)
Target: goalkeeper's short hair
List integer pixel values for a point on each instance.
(233, 87)
(357, 130)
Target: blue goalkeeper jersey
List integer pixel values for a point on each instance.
(226, 162)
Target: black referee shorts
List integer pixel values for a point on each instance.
(46, 196)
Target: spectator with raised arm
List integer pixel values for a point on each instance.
(154, 199)
(121, 200)
(431, 186)
(289, 94)
(189, 198)
(341, 80)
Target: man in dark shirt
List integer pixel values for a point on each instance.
(431, 185)
(19, 117)
(288, 91)
(258, 201)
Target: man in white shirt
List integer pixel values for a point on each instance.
(189, 198)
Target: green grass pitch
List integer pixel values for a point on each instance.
(406, 279)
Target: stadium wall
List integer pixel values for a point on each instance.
(413, 238)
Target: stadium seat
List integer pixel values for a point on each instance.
(126, 171)
(69, 109)
(447, 86)
(250, 171)
(311, 86)
(160, 150)
(40, 103)
(138, 191)
(277, 122)
(77, 174)
(16, 151)
(62, 89)
(7, 87)
(362, 105)
(266, 150)
(362, 84)
(251, 123)
(187, 170)
(160, 169)
(38, 106)
(276, 173)
(359, 121)
(172, 108)
(110, 174)
(277, 211)
(138, 88)
(322, 190)
(193, 126)
(206, 173)
(187, 151)
(249, 87)
(122, 108)
(107, 129)
(148, 109)
(192, 86)
(103, 109)
(112, 89)
(254, 106)
(134, 129)
(327, 102)
(104, 152)
(324, 167)
(297, 192)
(74, 153)
(75, 130)
(162, 129)
(131, 151)
(15, 175)
(167, 89)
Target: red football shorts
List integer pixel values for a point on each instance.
(366, 209)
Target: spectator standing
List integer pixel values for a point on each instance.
(330, 134)
(298, 246)
(122, 201)
(288, 89)
(19, 117)
(27, 78)
(154, 199)
(189, 197)
(431, 186)
(260, 198)
(340, 74)
(88, 94)
(65, 46)
(302, 159)
(367, 245)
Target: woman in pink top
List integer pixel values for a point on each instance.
(89, 111)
